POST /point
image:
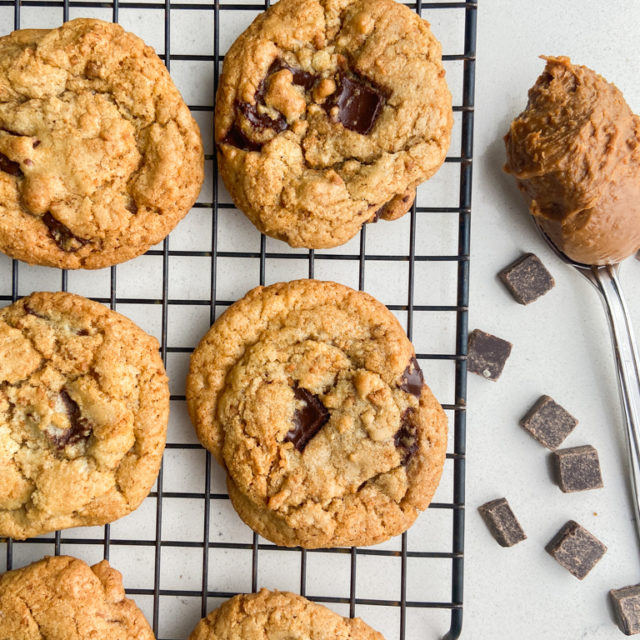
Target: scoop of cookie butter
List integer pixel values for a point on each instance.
(575, 154)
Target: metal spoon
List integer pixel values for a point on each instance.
(606, 281)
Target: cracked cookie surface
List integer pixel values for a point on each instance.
(99, 156)
(62, 598)
(328, 115)
(278, 614)
(309, 395)
(84, 406)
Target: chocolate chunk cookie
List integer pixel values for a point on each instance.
(278, 614)
(99, 156)
(62, 598)
(328, 115)
(310, 396)
(84, 405)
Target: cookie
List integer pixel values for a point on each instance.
(62, 598)
(278, 614)
(328, 115)
(84, 405)
(309, 395)
(99, 156)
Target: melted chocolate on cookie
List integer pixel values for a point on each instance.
(405, 438)
(62, 235)
(308, 420)
(261, 121)
(10, 167)
(412, 378)
(359, 103)
(80, 428)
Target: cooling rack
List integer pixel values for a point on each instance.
(184, 550)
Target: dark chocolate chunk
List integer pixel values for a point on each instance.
(236, 137)
(576, 549)
(10, 167)
(308, 420)
(62, 235)
(548, 422)
(359, 103)
(626, 603)
(487, 354)
(527, 279)
(577, 469)
(80, 427)
(406, 437)
(502, 522)
(261, 121)
(412, 378)
(302, 78)
(36, 144)
(131, 206)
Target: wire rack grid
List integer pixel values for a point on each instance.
(184, 550)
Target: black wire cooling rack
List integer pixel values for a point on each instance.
(178, 566)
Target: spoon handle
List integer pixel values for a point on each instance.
(626, 354)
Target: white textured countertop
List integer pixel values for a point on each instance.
(561, 348)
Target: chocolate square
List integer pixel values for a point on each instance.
(626, 603)
(548, 422)
(576, 549)
(577, 469)
(487, 354)
(527, 279)
(502, 522)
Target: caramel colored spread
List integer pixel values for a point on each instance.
(575, 153)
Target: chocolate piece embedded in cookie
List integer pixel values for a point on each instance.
(487, 354)
(548, 422)
(527, 279)
(310, 396)
(316, 120)
(99, 155)
(84, 406)
(308, 418)
(356, 103)
(577, 469)
(577, 550)
(412, 378)
(278, 615)
(62, 598)
(502, 523)
(626, 603)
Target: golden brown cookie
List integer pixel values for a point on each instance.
(278, 614)
(310, 396)
(99, 156)
(575, 153)
(327, 112)
(84, 405)
(62, 598)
